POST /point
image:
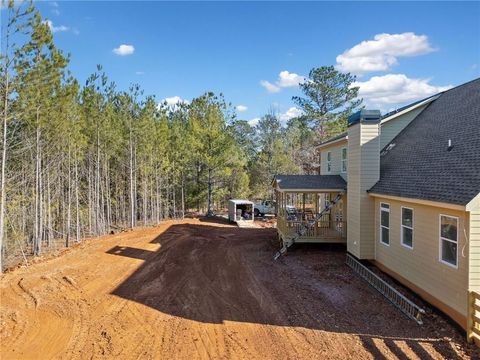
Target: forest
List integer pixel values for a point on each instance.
(80, 160)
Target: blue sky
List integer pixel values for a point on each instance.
(184, 49)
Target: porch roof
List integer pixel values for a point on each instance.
(309, 183)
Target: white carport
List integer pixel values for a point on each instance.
(240, 210)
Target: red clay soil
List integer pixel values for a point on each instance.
(196, 289)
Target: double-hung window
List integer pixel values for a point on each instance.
(407, 227)
(329, 162)
(449, 240)
(344, 160)
(385, 223)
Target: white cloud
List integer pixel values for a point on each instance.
(285, 79)
(394, 89)
(269, 86)
(55, 10)
(241, 108)
(288, 79)
(381, 53)
(172, 102)
(124, 50)
(282, 117)
(289, 114)
(139, 73)
(55, 29)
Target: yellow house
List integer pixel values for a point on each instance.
(412, 201)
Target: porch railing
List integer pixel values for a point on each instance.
(473, 322)
(324, 228)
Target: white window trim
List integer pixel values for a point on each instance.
(411, 228)
(440, 238)
(381, 226)
(344, 161)
(329, 162)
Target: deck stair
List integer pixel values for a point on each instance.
(307, 226)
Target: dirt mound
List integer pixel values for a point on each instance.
(200, 289)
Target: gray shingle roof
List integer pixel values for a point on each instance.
(417, 164)
(310, 182)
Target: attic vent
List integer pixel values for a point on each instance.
(387, 149)
(450, 146)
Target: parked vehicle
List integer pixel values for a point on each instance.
(265, 207)
(269, 207)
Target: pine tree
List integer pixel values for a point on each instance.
(210, 141)
(16, 22)
(40, 68)
(329, 99)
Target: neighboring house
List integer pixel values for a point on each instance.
(412, 202)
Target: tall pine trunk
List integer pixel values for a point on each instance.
(209, 206)
(4, 160)
(183, 196)
(77, 202)
(48, 208)
(69, 200)
(38, 192)
(132, 191)
(97, 187)
(107, 195)
(90, 195)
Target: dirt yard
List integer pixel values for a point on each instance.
(196, 289)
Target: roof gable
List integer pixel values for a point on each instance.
(392, 115)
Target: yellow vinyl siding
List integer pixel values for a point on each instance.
(353, 189)
(370, 173)
(336, 159)
(474, 273)
(391, 128)
(364, 171)
(421, 265)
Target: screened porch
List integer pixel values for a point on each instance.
(301, 199)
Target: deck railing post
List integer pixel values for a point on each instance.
(470, 315)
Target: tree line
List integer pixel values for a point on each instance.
(84, 160)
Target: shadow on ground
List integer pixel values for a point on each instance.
(214, 274)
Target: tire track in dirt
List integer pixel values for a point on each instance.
(25, 314)
(32, 297)
(200, 290)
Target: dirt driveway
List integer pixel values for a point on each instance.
(195, 289)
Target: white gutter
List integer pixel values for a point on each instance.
(420, 201)
(425, 102)
(333, 142)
